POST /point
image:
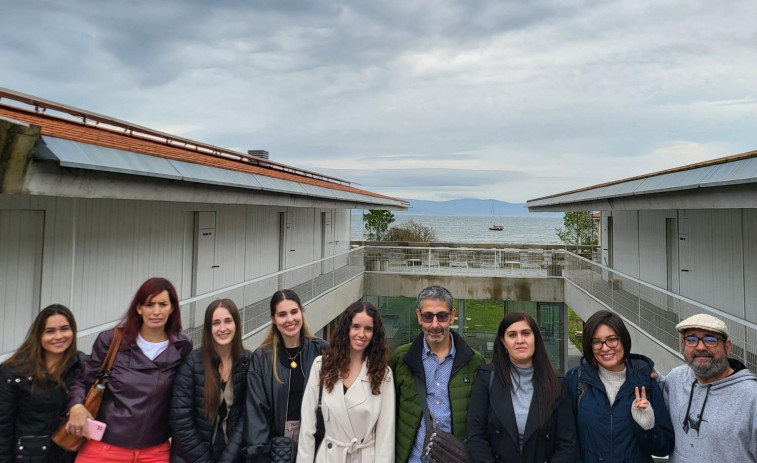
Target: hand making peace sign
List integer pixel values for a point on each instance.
(641, 398)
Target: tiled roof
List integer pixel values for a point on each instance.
(60, 127)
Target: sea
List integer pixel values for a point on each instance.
(475, 229)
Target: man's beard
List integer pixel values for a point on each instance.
(714, 369)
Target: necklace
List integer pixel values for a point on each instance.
(293, 362)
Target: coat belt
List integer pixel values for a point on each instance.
(350, 448)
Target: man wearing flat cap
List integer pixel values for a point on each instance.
(712, 399)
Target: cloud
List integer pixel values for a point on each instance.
(555, 95)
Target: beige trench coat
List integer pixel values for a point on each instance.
(359, 425)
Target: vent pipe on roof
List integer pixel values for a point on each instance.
(263, 154)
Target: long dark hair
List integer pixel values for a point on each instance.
(546, 385)
(613, 320)
(336, 358)
(132, 321)
(273, 338)
(212, 397)
(29, 359)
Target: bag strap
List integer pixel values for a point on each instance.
(581, 388)
(422, 396)
(320, 394)
(110, 357)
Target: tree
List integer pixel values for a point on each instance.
(376, 223)
(411, 231)
(579, 229)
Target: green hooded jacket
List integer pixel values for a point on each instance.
(406, 365)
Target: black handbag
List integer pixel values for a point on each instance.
(320, 426)
(283, 450)
(33, 449)
(440, 446)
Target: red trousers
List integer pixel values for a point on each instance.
(100, 452)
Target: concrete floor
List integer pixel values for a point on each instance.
(574, 356)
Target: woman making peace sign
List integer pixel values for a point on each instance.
(620, 412)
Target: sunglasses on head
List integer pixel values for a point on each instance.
(428, 317)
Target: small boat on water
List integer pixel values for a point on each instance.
(492, 226)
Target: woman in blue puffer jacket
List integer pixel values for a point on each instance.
(620, 412)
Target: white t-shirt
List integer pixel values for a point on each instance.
(151, 349)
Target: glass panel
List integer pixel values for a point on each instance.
(550, 321)
(482, 319)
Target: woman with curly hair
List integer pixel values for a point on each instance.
(353, 384)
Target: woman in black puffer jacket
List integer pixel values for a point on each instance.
(207, 407)
(34, 389)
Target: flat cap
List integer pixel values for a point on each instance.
(703, 321)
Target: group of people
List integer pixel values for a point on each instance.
(297, 398)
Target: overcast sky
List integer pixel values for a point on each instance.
(434, 100)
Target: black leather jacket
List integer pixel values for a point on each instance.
(23, 413)
(265, 414)
(191, 431)
(136, 400)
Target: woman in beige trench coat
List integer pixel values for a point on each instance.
(358, 394)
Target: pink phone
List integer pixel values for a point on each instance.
(95, 429)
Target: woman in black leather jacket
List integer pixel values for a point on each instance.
(275, 384)
(208, 392)
(34, 386)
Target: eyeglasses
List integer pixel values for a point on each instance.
(428, 317)
(709, 341)
(596, 344)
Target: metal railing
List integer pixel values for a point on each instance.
(436, 260)
(309, 281)
(652, 309)
(655, 310)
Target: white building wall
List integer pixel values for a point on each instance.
(749, 227)
(716, 250)
(653, 265)
(96, 253)
(21, 254)
(625, 242)
(715, 259)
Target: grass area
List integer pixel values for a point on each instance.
(485, 313)
(574, 324)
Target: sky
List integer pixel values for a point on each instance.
(434, 100)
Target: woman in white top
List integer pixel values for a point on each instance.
(357, 398)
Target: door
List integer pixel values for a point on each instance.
(204, 265)
(21, 244)
(671, 254)
(327, 241)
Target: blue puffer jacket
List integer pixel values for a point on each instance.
(609, 434)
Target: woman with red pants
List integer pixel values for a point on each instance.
(137, 398)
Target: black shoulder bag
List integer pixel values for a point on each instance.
(440, 446)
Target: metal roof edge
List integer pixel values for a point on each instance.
(708, 170)
(69, 153)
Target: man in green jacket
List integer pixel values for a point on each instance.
(442, 365)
